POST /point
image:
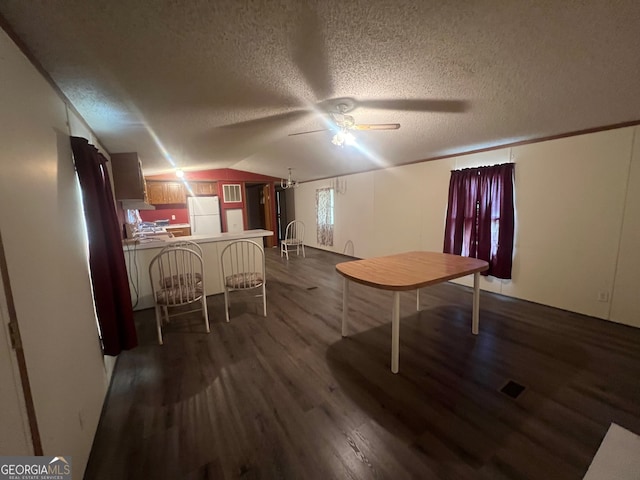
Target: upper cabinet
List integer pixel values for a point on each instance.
(166, 192)
(128, 181)
(204, 188)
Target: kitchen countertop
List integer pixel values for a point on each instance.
(178, 225)
(159, 242)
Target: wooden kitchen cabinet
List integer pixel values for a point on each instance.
(161, 193)
(155, 192)
(165, 192)
(204, 188)
(128, 182)
(175, 193)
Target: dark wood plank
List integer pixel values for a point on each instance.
(287, 397)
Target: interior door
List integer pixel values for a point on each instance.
(15, 436)
(286, 210)
(268, 215)
(282, 214)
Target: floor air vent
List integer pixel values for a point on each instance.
(512, 389)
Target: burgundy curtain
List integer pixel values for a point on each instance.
(480, 216)
(106, 257)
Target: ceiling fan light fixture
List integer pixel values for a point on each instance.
(349, 139)
(343, 137)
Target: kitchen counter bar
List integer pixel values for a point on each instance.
(138, 256)
(160, 242)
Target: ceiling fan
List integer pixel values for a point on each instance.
(341, 122)
(310, 55)
(344, 122)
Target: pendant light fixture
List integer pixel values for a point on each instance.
(289, 182)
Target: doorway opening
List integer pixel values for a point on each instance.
(285, 210)
(260, 209)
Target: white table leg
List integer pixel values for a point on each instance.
(345, 306)
(417, 300)
(395, 332)
(475, 319)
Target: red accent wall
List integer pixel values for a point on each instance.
(232, 205)
(164, 212)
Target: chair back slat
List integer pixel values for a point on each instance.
(294, 231)
(243, 265)
(177, 276)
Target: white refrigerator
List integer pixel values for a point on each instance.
(204, 215)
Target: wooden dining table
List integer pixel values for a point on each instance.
(409, 271)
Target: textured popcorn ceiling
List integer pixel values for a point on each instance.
(223, 83)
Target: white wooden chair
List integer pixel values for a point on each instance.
(293, 237)
(191, 246)
(243, 268)
(177, 279)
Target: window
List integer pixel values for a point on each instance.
(231, 193)
(324, 216)
(480, 216)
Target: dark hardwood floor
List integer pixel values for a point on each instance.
(286, 397)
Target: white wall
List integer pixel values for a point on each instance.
(577, 219)
(625, 306)
(42, 225)
(396, 212)
(570, 199)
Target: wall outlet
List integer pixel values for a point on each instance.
(173, 217)
(603, 296)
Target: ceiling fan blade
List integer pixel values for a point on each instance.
(309, 52)
(416, 105)
(271, 119)
(377, 126)
(310, 131)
